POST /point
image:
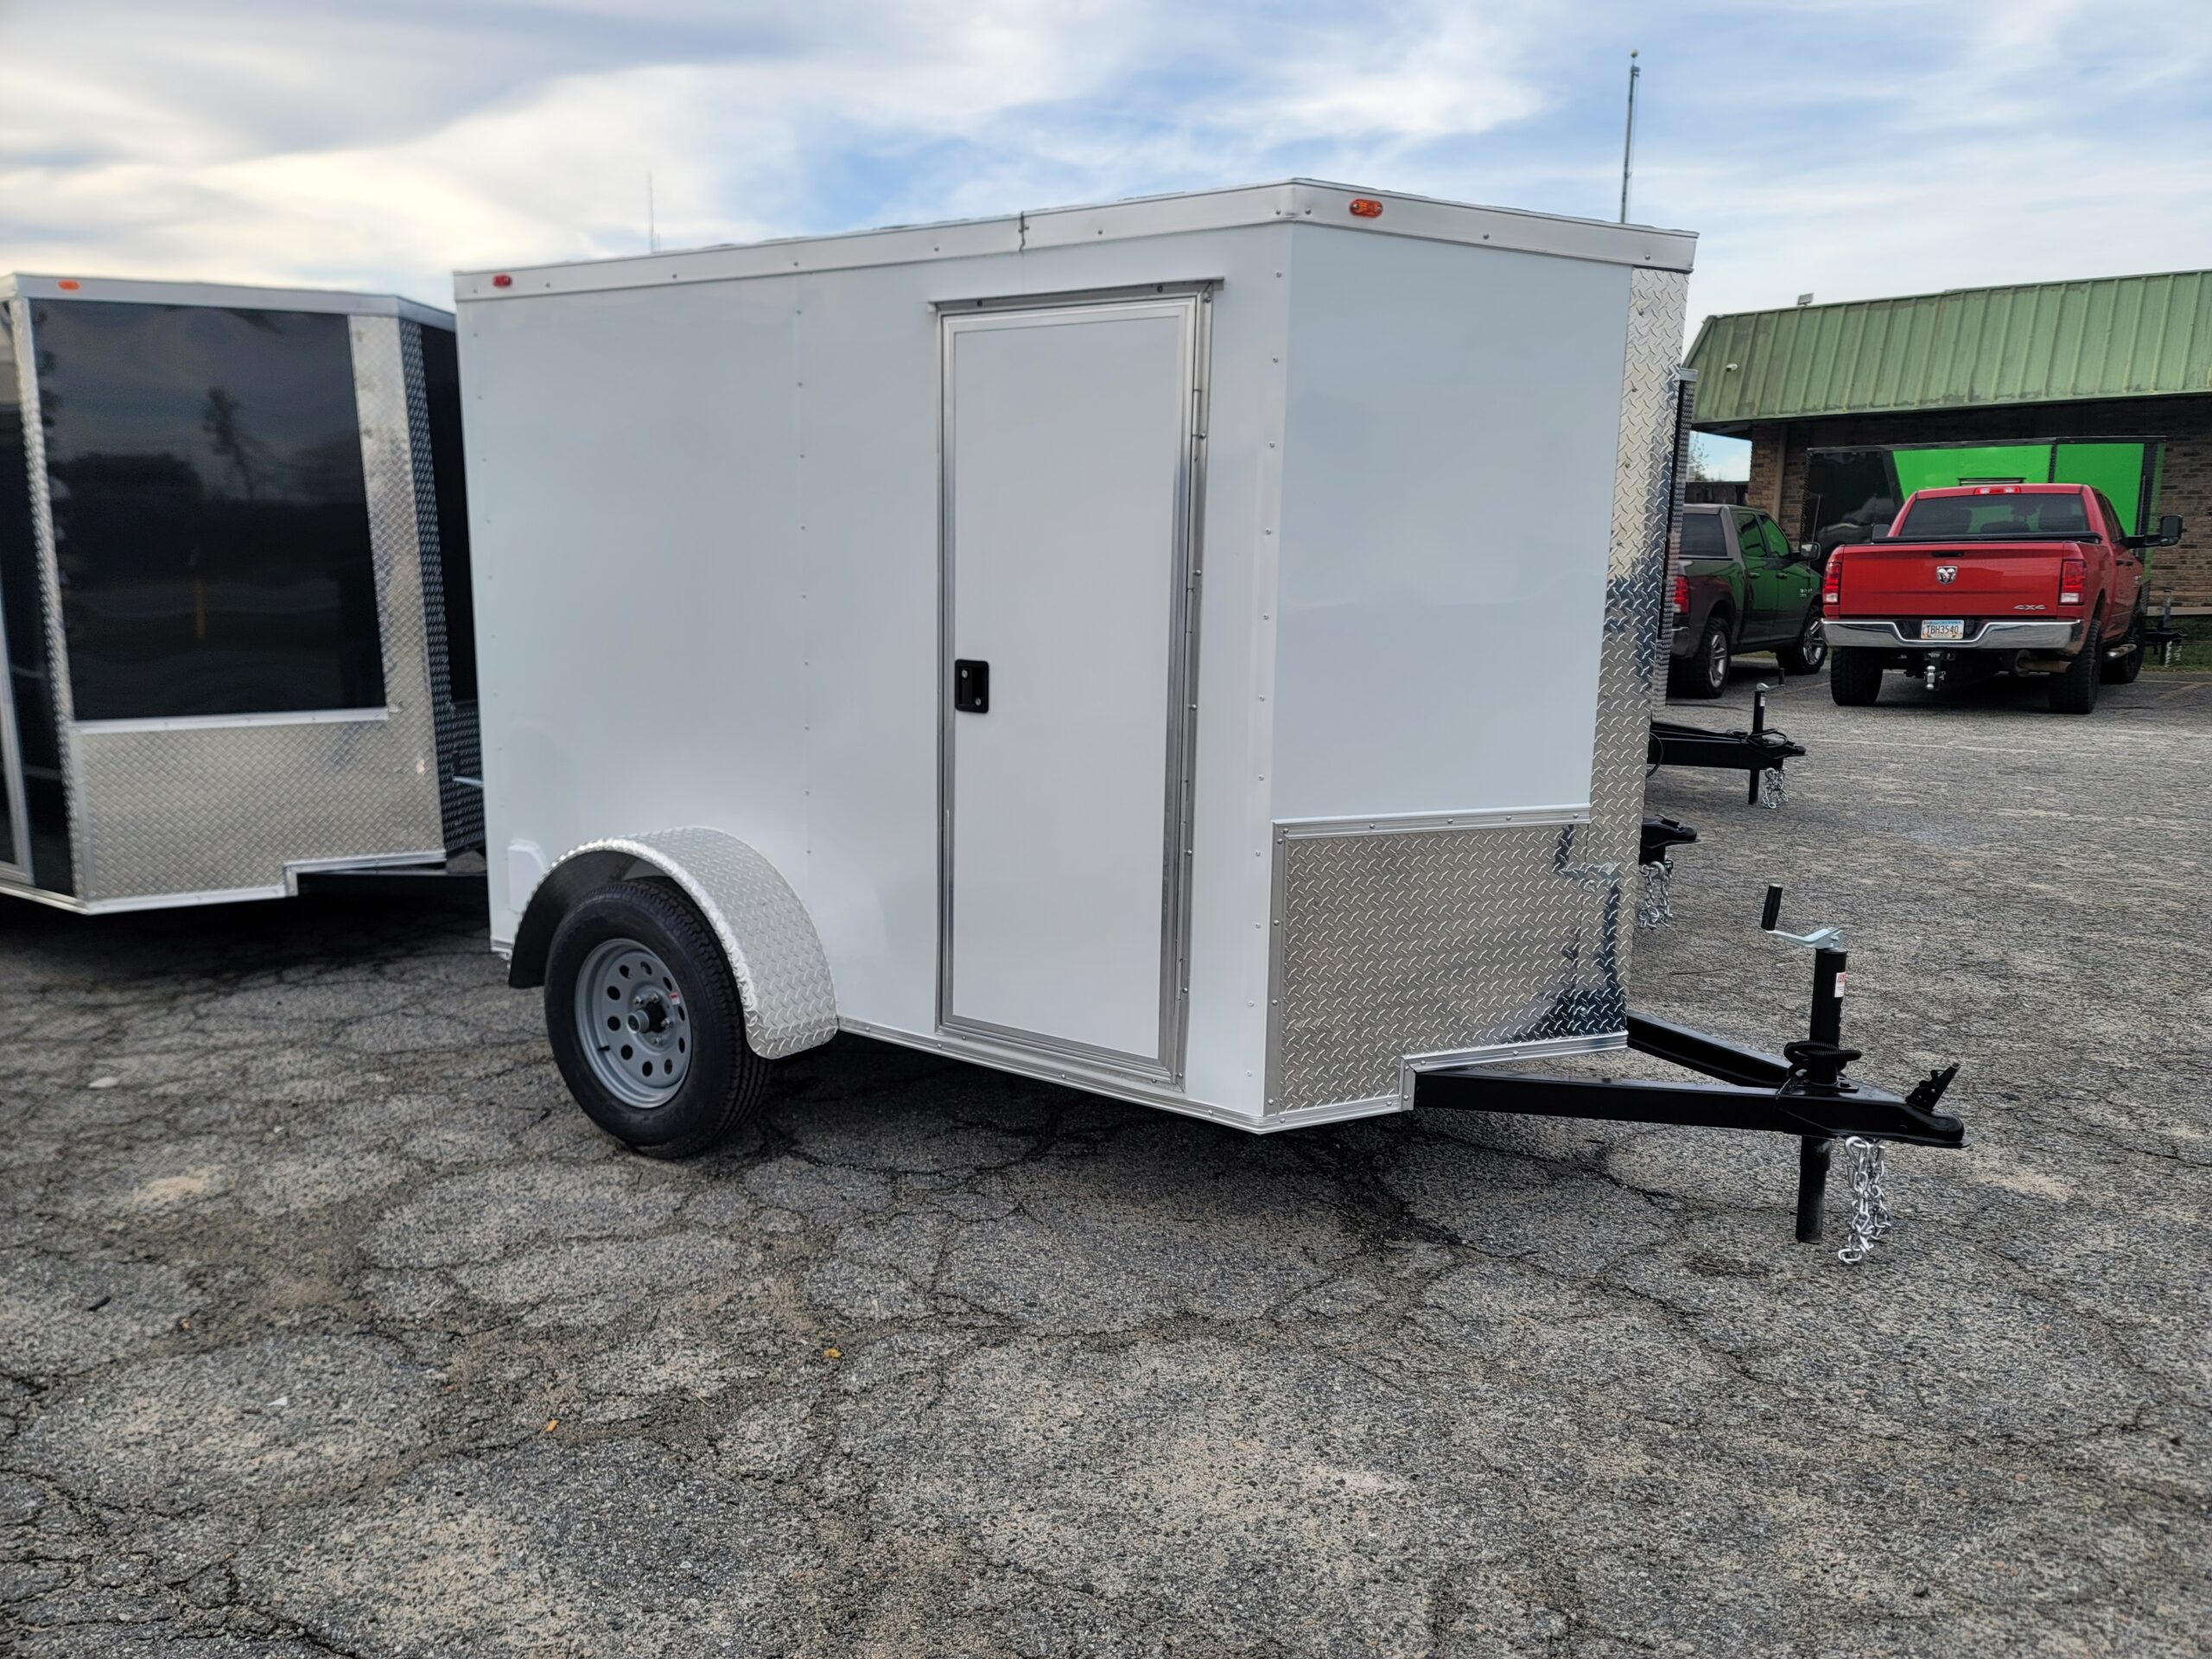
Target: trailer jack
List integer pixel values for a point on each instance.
(1804, 1090)
(1759, 751)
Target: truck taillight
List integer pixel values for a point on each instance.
(1831, 583)
(2072, 573)
(1682, 595)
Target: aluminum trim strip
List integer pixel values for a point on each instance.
(232, 722)
(229, 295)
(1297, 828)
(1242, 206)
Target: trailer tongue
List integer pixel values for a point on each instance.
(1803, 1091)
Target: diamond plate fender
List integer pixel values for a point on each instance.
(782, 972)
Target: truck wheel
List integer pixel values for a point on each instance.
(2122, 670)
(646, 1023)
(1706, 673)
(1855, 677)
(1810, 649)
(2075, 691)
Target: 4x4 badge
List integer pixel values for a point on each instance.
(1947, 574)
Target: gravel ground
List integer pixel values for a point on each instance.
(328, 1325)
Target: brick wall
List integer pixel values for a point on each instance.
(1779, 448)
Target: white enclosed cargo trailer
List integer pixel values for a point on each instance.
(1197, 650)
(233, 592)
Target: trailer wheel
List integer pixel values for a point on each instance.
(2074, 690)
(1855, 677)
(646, 1023)
(1810, 649)
(1706, 674)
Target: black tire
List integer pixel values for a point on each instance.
(1706, 673)
(1808, 653)
(723, 1080)
(2122, 670)
(2074, 690)
(1854, 676)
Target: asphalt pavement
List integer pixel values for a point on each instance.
(329, 1326)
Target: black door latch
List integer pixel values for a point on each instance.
(971, 686)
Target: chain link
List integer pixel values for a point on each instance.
(1870, 1204)
(1774, 788)
(1658, 906)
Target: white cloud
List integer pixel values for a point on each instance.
(1850, 149)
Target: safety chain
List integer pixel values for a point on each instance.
(1658, 906)
(1774, 788)
(1869, 1205)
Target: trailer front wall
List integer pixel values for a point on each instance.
(1474, 547)
(705, 521)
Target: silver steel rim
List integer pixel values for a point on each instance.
(1716, 663)
(633, 1024)
(1816, 647)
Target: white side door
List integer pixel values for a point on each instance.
(1069, 475)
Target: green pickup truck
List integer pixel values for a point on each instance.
(1739, 586)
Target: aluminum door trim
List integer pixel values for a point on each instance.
(1193, 301)
(232, 722)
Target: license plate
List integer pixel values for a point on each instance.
(1942, 630)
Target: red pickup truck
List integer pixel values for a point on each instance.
(1988, 579)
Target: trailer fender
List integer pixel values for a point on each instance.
(782, 972)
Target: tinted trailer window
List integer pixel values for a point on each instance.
(210, 516)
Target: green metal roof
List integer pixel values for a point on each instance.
(2040, 343)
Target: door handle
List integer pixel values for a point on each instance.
(971, 686)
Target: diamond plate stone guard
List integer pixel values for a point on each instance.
(1415, 940)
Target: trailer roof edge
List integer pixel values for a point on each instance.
(1294, 201)
(235, 296)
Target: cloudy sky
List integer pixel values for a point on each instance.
(1860, 148)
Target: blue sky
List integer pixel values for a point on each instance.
(1847, 149)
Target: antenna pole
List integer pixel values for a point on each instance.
(652, 229)
(1628, 144)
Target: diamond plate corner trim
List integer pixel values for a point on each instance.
(783, 974)
(49, 573)
(222, 808)
(1401, 938)
(1645, 483)
(460, 748)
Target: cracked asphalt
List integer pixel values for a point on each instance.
(328, 1326)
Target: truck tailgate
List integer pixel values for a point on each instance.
(1905, 579)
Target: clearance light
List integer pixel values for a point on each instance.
(1366, 207)
(1831, 583)
(1998, 489)
(1682, 595)
(502, 281)
(2071, 575)
(70, 284)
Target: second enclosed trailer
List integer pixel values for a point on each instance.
(234, 591)
(1198, 649)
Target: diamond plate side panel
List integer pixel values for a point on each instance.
(1431, 941)
(222, 808)
(783, 974)
(459, 749)
(1398, 940)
